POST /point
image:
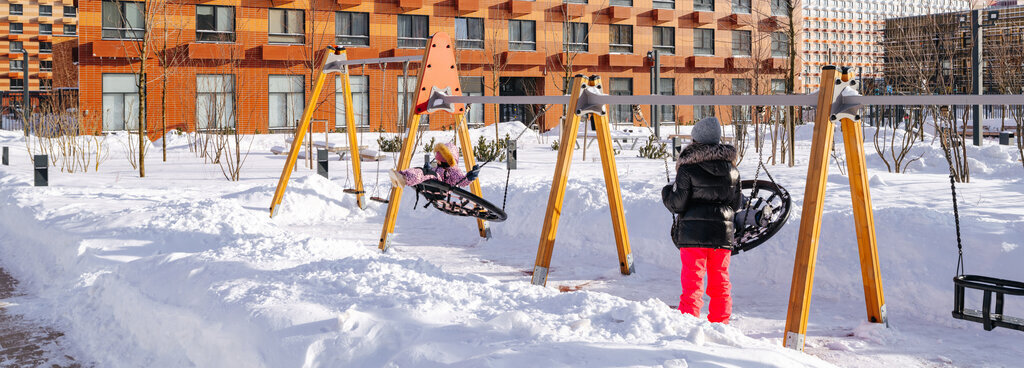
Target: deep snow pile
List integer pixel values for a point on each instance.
(183, 268)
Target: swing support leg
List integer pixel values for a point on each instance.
(555, 199)
(810, 222)
(396, 191)
(853, 137)
(293, 153)
(353, 143)
(466, 145)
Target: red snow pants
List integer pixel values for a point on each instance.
(697, 261)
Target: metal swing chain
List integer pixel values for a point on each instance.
(956, 210)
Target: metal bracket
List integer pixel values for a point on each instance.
(841, 106)
(436, 101)
(586, 105)
(335, 62)
(629, 264)
(885, 316)
(387, 243)
(540, 275)
(795, 341)
(487, 230)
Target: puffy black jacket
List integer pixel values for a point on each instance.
(705, 196)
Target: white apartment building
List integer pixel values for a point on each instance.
(849, 32)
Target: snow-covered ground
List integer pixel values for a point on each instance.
(183, 268)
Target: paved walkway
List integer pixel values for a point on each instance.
(23, 343)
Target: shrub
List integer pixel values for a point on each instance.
(429, 146)
(393, 144)
(485, 150)
(554, 145)
(654, 149)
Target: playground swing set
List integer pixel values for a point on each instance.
(438, 89)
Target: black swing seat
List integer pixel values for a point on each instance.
(379, 199)
(987, 317)
(766, 209)
(353, 191)
(458, 202)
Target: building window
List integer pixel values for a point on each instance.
(704, 5)
(778, 86)
(352, 29)
(360, 101)
(45, 84)
(664, 4)
(46, 29)
(741, 6)
(286, 26)
(406, 99)
(46, 47)
(215, 101)
(703, 87)
(45, 65)
(665, 40)
(703, 41)
(17, 9)
(70, 30)
(123, 20)
(70, 11)
(215, 23)
(16, 28)
(469, 33)
(413, 31)
(740, 43)
(621, 39)
(621, 3)
(286, 97)
(17, 65)
(17, 84)
(473, 86)
(622, 87)
(16, 46)
(741, 113)
(576, 35)
(120, 102)
(45, 11)
(780, 8)
(667, 113)
(522, 35)
(780, 45)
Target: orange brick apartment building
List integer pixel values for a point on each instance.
(248, 63)
(45, 31)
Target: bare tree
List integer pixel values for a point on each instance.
(1003, 46)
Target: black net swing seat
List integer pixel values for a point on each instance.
(457, 201)
(765, 210)
(988, 317)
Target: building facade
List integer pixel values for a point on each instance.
(850, 32)
(932, 53)
(248, 65)
(46, 32)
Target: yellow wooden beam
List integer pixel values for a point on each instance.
(611, 182)
(860, 193)
(293, 153)
(810, 221)
(353, 143)
(555, 198)
(468, 159)
(396, 191)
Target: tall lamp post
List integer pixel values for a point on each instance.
(977, 62)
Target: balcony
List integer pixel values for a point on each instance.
(578, 59)
(15, 75)
(281, 2)
(19, 37)
(624, 60)
(114, 49)
(45, 20)
(474, 57)
(44, 38)
(741, 20)
(740, 62)
(69, 20)
(45, 56)
(707, 62)
(702, 17)
(283, 52)
(361, 53)
(772, 23)
(662, 15)
(44, 75)
(523, 58)
(225, 51)
(410, 4)
(17, 18)
(776, 63)
(620, 12)
(347, 3)
(571, 11)
(467, 5)
(520, 7)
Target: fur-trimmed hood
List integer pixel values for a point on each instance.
(699, 152)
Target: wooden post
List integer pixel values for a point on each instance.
(853, 138)
(810, 221)
(554, 209)
(396, 191)
(469, 160)
(353, 143)
(611, 182)
(293, 153)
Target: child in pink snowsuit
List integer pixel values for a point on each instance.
(447, 170)
(704, 198)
